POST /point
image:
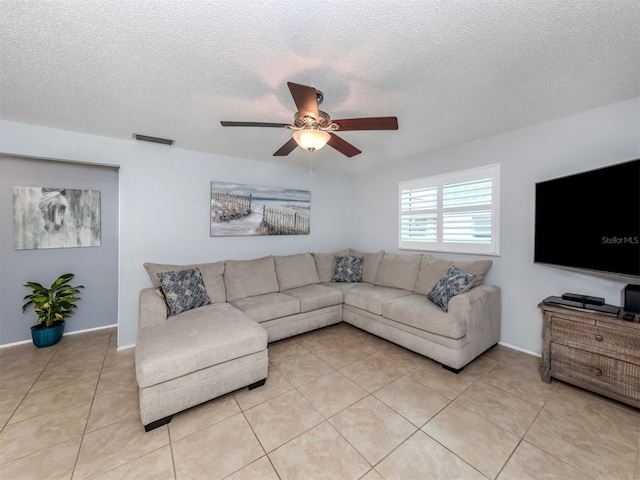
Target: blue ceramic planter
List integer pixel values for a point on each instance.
(47, 336)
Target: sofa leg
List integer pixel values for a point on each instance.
(157, 423)
(257, 384)
(451, 369)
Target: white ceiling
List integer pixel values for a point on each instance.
(452, 71)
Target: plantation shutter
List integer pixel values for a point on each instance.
(419, 214)
(457, 212)
(466, 216)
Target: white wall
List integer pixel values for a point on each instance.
(569, 145)
(164, 204)
(164, 195)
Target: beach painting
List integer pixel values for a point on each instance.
(47, 217)
(239, 210)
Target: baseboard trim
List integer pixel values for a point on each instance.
(22, 342)
(520, 349)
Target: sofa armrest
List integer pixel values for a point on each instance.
(151, 308)
(481, 308)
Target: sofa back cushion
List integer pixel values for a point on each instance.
(477, 267)
(399, 271)
(433, 269)
(326, 264)
(211, 276)
(247, 278)
(295, 271)
(371, 264)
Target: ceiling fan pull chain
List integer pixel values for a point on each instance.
(310, 161)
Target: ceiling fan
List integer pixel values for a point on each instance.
(314, 128)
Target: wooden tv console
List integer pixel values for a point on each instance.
(594, 351)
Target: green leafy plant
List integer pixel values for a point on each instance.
(54, 303)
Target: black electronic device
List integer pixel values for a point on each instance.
(590, 220)
(632, 298)
(628, 317)
(586, 299)
(605, 309)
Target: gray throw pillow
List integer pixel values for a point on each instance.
(348, 268)
(453, 283)
(184, 290)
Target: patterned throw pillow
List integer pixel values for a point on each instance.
(184, 290)
(453, 283)
(348, 268)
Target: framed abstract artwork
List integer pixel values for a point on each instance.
(45, 217)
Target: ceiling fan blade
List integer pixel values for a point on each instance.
(287, 148)
(342, 146)
(370, 123)
(306, 99)
(253, 124)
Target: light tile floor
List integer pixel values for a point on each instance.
(338, 404)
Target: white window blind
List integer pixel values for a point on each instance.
(456, 212)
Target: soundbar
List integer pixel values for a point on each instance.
(575, 297)
(605, 309)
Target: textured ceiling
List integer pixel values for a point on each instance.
(451, 71)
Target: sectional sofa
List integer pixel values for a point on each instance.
(190, 357)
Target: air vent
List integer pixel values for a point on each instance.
(147, 138)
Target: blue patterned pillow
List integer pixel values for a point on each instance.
(348, 268)
(453, 283)
(184, 290)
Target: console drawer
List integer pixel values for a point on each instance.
(595, 372)
(618, 341)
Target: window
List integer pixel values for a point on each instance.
(457, 212)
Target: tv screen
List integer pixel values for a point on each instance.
(591, 220)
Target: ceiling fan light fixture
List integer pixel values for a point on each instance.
(311, 139)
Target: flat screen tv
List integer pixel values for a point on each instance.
(591, 220)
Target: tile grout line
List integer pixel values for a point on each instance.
(369, 394)
(444, 446)
(75, 464)
(28, 391)
(522, 439)
(325, 419)
(480, 378)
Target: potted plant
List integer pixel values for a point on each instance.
(52, 305)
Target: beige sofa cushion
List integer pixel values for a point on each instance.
(478, 267)
(268, 306)
(194, 340)
(433, 269)
(247, 278)
(326, 264)
(371, 265)
(212, 274)
(371, 298)
(399, 271)
(344, 286)
(419, 312)
(295, 271)
(315, 297)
